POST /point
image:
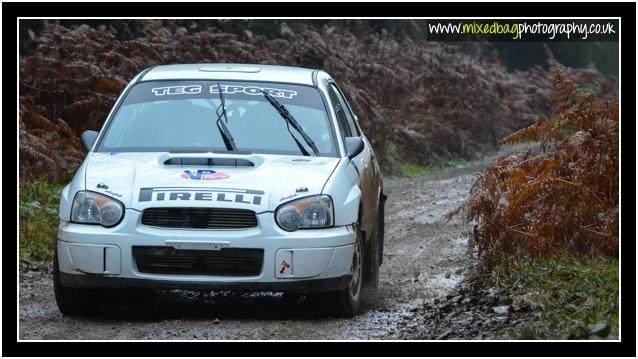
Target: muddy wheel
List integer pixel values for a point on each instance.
(73, 301)
(373, 257)
(347, 302)
(381, 225)
(371, 267)
(91, 302)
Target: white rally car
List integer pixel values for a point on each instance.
(223, 177)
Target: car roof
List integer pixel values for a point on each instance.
(220, 71)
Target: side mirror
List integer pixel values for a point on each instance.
(354, 146)
(88, 138)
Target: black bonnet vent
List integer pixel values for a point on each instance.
(207, 161)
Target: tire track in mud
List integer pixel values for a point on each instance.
(425, 257)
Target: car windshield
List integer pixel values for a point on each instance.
(174, 115)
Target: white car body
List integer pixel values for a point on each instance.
(301, 260)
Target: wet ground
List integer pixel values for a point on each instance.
(425, 258)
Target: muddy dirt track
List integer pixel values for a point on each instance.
(425, 257)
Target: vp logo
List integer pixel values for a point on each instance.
(204, 175)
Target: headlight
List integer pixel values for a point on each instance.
(94, 208)
(306, 213)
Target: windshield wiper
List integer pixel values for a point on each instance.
(221, 126)
(283, 111)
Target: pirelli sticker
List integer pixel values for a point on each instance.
(159, 194)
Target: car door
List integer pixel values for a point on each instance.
(362, 162)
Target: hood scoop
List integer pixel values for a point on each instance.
(209, 161)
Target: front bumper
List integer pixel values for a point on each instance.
(308, 285)
(315, 260)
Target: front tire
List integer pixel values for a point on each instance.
(371, 266)
(73, 301)
(374, 255)
(89, 302)
(347, 302)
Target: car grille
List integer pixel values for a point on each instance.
(224, 262)
(203, 218)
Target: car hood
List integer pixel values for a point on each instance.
(256, 182)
